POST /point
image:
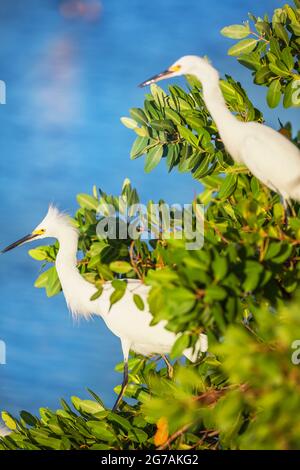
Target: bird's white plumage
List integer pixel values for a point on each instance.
(269, 155)
(124, 319)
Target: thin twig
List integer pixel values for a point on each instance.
(261, 38)
(133, 263)
(175, 435)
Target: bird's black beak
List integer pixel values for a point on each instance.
(156, 78)
(27, 238)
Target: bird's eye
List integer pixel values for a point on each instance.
(175, 68)
(39, 231)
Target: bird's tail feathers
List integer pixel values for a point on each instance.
(201, 346)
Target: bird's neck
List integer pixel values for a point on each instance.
(216, 104)
(227, 124)
(76, 289)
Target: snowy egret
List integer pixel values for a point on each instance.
(270, 156)
(124, 319)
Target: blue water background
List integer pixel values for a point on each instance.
(70, 77)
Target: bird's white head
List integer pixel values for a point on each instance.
(54, 225)
(187, 65)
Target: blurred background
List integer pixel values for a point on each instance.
(71, 69)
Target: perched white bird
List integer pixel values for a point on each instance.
(270, 156)
(124, 319)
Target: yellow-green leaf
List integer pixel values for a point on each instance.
(243, 47)
(236, 31)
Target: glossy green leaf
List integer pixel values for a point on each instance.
(139, 147)
(138, 302)
(274, 93)
(9, 420)
(236, 31)
(87, 202)
(228, 186)
(129, 122)
(139, 116)
(118, 293)
(181, 343)
(120, 267)
(153, 158)
(243, 47)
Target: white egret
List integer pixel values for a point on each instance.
(124, 319)
(270, 156)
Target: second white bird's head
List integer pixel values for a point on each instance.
(54, 225)
(186, 65)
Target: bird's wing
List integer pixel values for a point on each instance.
(273, 159)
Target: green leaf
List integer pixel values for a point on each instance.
(287, 58)
(281, 33)
(87, 202)
(120, 267)
(101, 431)
(273, 250)
(263, 28)
(279, 69)
(97, 294)
(129, 122)
(139, 116)
(118, 293)
(188, 135)
(262, 75)
(163, 125)
(289, 90)
(86, 406)
(39, 253)
(173, 115)
(138, 301)
(153, 158)
(220, 267)
(274, 93)
(214, 293)
(172, 155)
(236, 31)
(42, 280)
(275, 47)
(28, 418)
(123, 422)
(45, 440)
(278, 212)
(53, 286)
(96, 397)
(203, 168)
(253, 271)
(139, 147)
(9, 421)
(158, 94)
(195, 121)
(251, 61)
(295, 28)
(284, 254)
(228, 186)
(181, 343)
(243, 47)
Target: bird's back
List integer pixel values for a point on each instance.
(125, 319)
(130, 323)
(273, 159)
